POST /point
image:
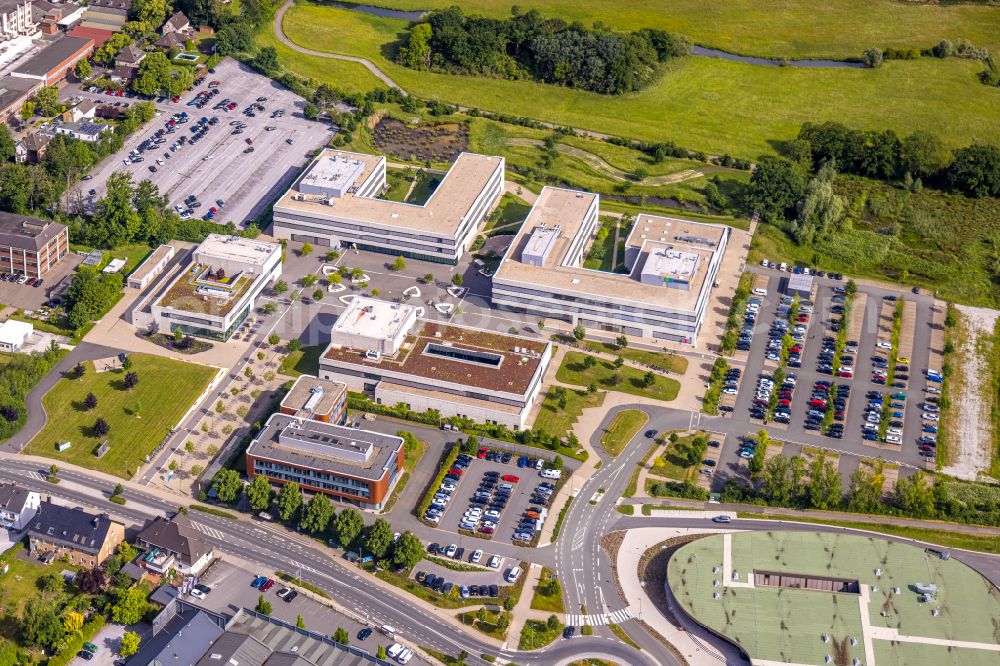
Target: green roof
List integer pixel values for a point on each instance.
(788, 624)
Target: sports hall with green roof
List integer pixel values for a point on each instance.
(826, 598)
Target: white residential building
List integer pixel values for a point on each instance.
(17, 506)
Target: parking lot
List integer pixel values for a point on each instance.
(25, 296)
(849, 379)
(221, 166)
(494, 494)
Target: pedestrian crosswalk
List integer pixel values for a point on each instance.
(209, 531)
(36, 476)
(614, 617)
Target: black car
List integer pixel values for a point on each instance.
(290, 596)
(494, 591)
(569, 631)
(84, 654)
(650, 434)
(364, 633)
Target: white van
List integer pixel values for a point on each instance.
(760, 292)
(551, 473)
(513, 575)
(394, 650)
(387, 630)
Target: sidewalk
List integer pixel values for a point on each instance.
(696, 644)
(522, 611)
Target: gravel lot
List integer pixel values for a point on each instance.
(246, 182)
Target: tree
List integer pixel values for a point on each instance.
(228, 485)
(83, 69)
(53, 469)
(618, 362)
(116, 220)
(873, 57)
(417, 52)
(317, 514)
(648, 379)
(913, 496)
(263, 606)
(399, 264)
(72, 622)
(922, 154)
(280, 287)
(380, 653)
(309, 279)
(129, 644)
(7, 144)
(100, 427)
(28, 111)
(259, 493)
(552, 623)
(866, 491)
(348, 526)
(378, 538)
(775, 188)
(130, 607)
(131, 380)
(824, 484)
(300, 623)
(266, 60)
(294, 345)
(305, 250)
(310, 111)
(40, 626)
(408, 551)
(341, 636)
(289, 500)
(579, 332)
(335, 278)
(975, 171)
(318, 295)
(457, 279)
(90, 402)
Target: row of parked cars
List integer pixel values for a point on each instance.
(884, 407)
(749, 320)
(825, 396)
(533, 517)
(765, 391)
(487, 505)
(21, 278)
(447, 489)
(803, 270)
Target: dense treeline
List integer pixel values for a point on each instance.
(17, 376)
(528, 46)
(798, 194)
(792, 482)
(37, 188)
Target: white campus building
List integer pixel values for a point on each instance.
(216, 290)
(334, 204)
(383, 350)
(670, 268)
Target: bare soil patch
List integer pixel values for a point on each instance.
(420, 143)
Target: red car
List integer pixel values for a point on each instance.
(455, 471)
(510, 478)
(213, 84)
(481, 454)
(267, 585)
(249, 140)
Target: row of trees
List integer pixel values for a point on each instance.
(156, 75)
(91, 294)
(318, 516)
(550, 50)
(18, 376)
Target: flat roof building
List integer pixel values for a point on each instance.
(334, 203)
(31, 246)
(456, 370)
(357, 466)
(799, 284)
(216, 290)
(151, 267)
(670, 267)
(317, 399)
(13, 333)
(51, 64)
(374, 325)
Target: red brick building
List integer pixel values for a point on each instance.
(31, 246)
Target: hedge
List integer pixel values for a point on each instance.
(446, 463)
(75, 643)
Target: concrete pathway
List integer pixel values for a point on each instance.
(280, 33)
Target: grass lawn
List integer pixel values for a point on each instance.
(20, 583)
(546, 598)
(672, 463)
(537, 634)
(510, 211)
(302, 362)
(790, 28)
(623, 428)
(557, 420)
(603, 373)
(398, 181)
(701, 103)
(490, 627)
(422, 191)
(601, 256)
(139, 418)
(940, 536)
(660, 360)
